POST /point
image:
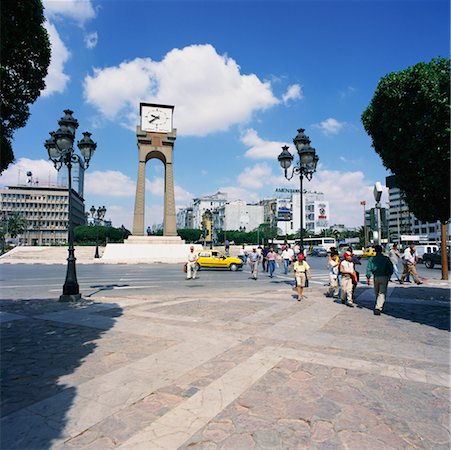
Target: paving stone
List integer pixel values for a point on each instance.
(369, 383)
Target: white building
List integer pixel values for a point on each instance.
(401, 222)
(46, 211)
(202, 204)
(315, 213)
(238, 215)
(184, 218)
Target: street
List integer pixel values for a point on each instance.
(20, 281)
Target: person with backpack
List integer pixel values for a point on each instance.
(381, 268)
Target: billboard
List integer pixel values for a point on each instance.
(321, 214)
(283, 214)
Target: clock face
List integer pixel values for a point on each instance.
(156, 119)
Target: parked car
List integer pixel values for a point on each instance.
(422, 249)
(216, 259)
(318, 251)
(434, 259)
(369, 252)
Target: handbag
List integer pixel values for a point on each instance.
(185, 267)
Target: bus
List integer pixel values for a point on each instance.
(324, 242)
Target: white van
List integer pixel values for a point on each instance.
(425, 248)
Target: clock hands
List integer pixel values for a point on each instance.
(154, 118)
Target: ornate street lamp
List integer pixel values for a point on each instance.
(305, 167)
(60, 147)
(101, 210)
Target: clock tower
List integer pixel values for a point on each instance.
(156, 138)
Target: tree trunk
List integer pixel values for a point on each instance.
(444, 239)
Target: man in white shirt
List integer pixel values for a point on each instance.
(410, 261)
(191, 268)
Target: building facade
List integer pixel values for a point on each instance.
(202, 204)
(78, 177)
(46, 211)
(238, 215)
(315, 212)
(184, 218)
(402, 224)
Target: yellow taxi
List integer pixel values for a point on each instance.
(216, 259)
(369, 252)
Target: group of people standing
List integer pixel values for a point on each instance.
(291, 257)
(343, 276)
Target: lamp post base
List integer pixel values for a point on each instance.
(70, 297)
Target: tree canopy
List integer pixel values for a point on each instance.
(409, 123)
(25, 57)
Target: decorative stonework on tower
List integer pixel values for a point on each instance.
(156, 139)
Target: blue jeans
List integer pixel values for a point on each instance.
(286, 263)
(272, 267)
(396, 272)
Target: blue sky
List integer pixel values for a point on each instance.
(243, 77)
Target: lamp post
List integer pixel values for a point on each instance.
(101, 210)
(306, 166)
(60, 147)
(363, 203)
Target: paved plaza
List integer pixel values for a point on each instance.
(208, 367)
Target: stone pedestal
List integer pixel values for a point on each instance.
(148, 249)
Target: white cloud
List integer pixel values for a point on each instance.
(239, 193)
(344, 191)
(156, 188)
(294, 92)
(259, 148)
(208, 90)
(79, 10)
(330, 126)
(56, 80)
(91, 39)
(349, 90)
(255, 177)
(43, 172)
(110, 183)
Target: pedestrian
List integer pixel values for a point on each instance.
(381, 268)
(191, 268)
(271, 261)
(356, 262)
(395, 257)
(264, 259)
(296, 251)
(287, 255)
(301, 271)
(254, 260)
(347, 277)
(227, 247)
(333, 264)
(243, 254)
(410, 259)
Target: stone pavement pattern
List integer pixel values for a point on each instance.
(212, 370)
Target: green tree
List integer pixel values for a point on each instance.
(87, 235)
(189, 235)
(25, 57)
(14, 225)
(409, 123)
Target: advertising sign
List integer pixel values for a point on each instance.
(321, 214)
(283, 214)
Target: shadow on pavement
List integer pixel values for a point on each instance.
(427, 306)
(36, 353)
(104, 287)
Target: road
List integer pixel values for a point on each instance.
(28, 281)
